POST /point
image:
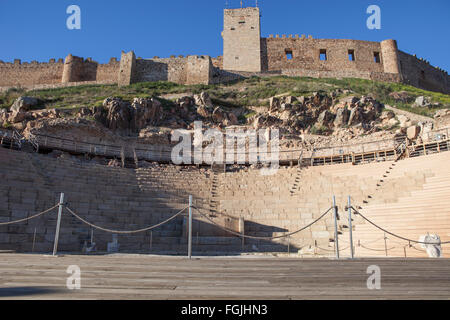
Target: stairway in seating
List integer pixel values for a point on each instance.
(213, 202)
(296, 185)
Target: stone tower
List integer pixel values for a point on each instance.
(389, 53)
(242, 40)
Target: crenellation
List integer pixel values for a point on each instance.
(245, 53)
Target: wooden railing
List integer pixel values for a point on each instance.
(380, 150)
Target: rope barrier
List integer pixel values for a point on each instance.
(393, 234)
(262, 238)
(29, 218)
(383, 250)
(125, 232)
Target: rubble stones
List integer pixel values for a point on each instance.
(218, 115)
(413, 132)
(422, 102)
(401, 96)
(121, 115)
(203, 99)
(274, 104)
(204, 111)
(325, 118)
(23, 104)
(402, 120)
(342, 117)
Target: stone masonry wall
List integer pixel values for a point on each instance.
(304, 53)
(161, 69)
(21, 74)
(127, 69)
(77, 69)
(241, 40)
(199, 70)
(108, 72)
(421, 74)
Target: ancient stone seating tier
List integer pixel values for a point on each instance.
(116, 198)
(408, 197)
(423, 209)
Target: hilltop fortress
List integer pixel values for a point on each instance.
(245, 54)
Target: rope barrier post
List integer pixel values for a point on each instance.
(289, 245)
(58, 224)
(190, 229)
(34, 240)
(336, 240)
(385, 244)
(352, 254)
(242, 231)
(151, 240)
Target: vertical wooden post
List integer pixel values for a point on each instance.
(190, 229)
(58, 224)
(385, 245)
(350, 226)
(336, 234)
(34, 240)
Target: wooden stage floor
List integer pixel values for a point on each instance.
(123, 276)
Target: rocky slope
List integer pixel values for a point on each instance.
(319, 119)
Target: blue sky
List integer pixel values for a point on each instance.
(36, 30)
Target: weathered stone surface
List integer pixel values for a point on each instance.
(122, 115)
(350, 101)
(3, 115)
(257, 123)
(387, 115)
(233, 119)
(218, 115)
(325, 118)
(342, 116)
(204, 111)
(355, 116)
(145, 111)
(290, 100)
(442, 113)
(118, 116)
(401, 96)
(422, 102)
(274, 104)
(412, 132)
(16, 117)
(23, 104)
(186, 101)
(203, 99)
(402, 120)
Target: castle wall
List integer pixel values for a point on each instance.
(77, 69)
(305, 54)
(200, 70)
(127, 69)
(421, 74)
(22, 74)
(189, 70)
(108, 72)
(217, 62)
(161, 69)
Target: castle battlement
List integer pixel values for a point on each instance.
(245, 52)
